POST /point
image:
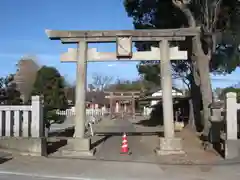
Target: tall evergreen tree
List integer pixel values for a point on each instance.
(50, 84)
(215, 49)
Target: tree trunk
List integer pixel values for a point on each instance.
(201, 65)
(202, 76)
(195, 105)
(206, 89)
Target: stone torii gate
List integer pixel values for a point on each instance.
(123, 38)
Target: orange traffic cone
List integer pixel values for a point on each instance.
(124, 148)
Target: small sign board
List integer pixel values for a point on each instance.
(124, 47)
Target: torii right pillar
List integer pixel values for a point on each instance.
(169, 144)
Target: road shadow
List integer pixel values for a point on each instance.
(3, 160)
(218, 145)
(156, 115)
(54, 146)
(160, 134)
(101, 139)
(151, 122)
(220, 148)
(62, 133)
(57, 140)
(4, 157)
(155, 119)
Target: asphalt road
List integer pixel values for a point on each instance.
(7, 175)
(32, 168)
(124, 176)
(21, 177)
(35, 168)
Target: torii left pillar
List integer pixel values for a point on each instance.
(80, 117)
(80, 145)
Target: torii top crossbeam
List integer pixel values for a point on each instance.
(110, 35)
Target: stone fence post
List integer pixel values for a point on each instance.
(231, 115)
(37, 125)
(232, 144)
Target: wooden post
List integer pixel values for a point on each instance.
(111, 105)
(125, 107)
(80, 109)
(133, 106)
(116, 107)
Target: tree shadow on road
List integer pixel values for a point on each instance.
(54, 146)
(110, 134)
(156, 117)
(63, 133)
(58, 140)
(5, 159)
(100, 140)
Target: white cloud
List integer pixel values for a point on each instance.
(39, 58)
(9, 55)
(111, 65)
(20, 55)
(122, 63)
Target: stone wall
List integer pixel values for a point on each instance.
(22, 128)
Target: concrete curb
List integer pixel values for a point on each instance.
(218, 163)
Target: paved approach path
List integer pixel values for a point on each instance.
(142, 146)
(68, 123)
(34, 168)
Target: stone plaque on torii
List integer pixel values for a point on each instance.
(124, 38)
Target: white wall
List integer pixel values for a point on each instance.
(159, 93)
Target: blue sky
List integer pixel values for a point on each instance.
(23, 23)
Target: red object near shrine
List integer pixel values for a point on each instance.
(124, 148)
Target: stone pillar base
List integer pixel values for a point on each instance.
(78, 147)
(232, 149)
(170, 146)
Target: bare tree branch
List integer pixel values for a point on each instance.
(101, 81)
(182, 5)
(216, 13)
